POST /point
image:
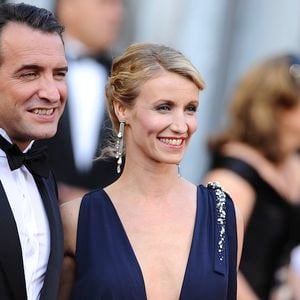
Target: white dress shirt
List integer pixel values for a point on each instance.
(295, 260)
(31, 219)
(86, 82)
(86, 102)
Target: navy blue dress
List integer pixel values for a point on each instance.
(106, 266)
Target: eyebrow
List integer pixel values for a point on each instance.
(173, 101)
(62, 69)
(37, 67)
(194, 102)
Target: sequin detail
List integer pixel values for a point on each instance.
(221, 216)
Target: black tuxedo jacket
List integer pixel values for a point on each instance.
(12, 280)
(61, 153)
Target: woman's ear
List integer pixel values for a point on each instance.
(120, 110)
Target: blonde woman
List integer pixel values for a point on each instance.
(152, 234)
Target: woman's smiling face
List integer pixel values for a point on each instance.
(163, 119)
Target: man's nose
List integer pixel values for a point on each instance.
(49, 90)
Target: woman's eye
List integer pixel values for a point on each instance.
(191, 108)
(163, 107)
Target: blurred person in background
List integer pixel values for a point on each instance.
(92, 28)
(255, 159)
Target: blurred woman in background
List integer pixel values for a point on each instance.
(256, 160)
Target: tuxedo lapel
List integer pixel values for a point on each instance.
(48, 193)
(11, 260)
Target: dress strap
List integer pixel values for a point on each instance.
(220, 232)
(240, 167)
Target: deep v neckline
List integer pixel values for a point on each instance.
(132, 252)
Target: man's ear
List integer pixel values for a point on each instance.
(120, 110)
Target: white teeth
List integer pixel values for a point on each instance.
(174, 142)
(40, 111)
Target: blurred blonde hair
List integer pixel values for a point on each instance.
(266, 88)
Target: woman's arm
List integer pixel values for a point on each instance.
(69, 214)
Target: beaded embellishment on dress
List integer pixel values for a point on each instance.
(221, 216)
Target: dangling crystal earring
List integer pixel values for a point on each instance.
(119, 146)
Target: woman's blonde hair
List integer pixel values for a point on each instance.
(253, 116)
(139, 63)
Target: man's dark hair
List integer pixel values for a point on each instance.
(32, 16)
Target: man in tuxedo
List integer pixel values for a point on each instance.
(91, 28)
(33, 94)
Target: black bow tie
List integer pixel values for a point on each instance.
(36, 160)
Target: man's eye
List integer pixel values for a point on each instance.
(28, 75)
(60, 75)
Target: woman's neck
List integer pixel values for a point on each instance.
(152, 182)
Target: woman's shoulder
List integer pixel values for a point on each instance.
(90, 199)
(216, 189)
(69, 210)
(216, 198)
(221, 201)
(69, 214)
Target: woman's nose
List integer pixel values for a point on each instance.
(179, 123)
